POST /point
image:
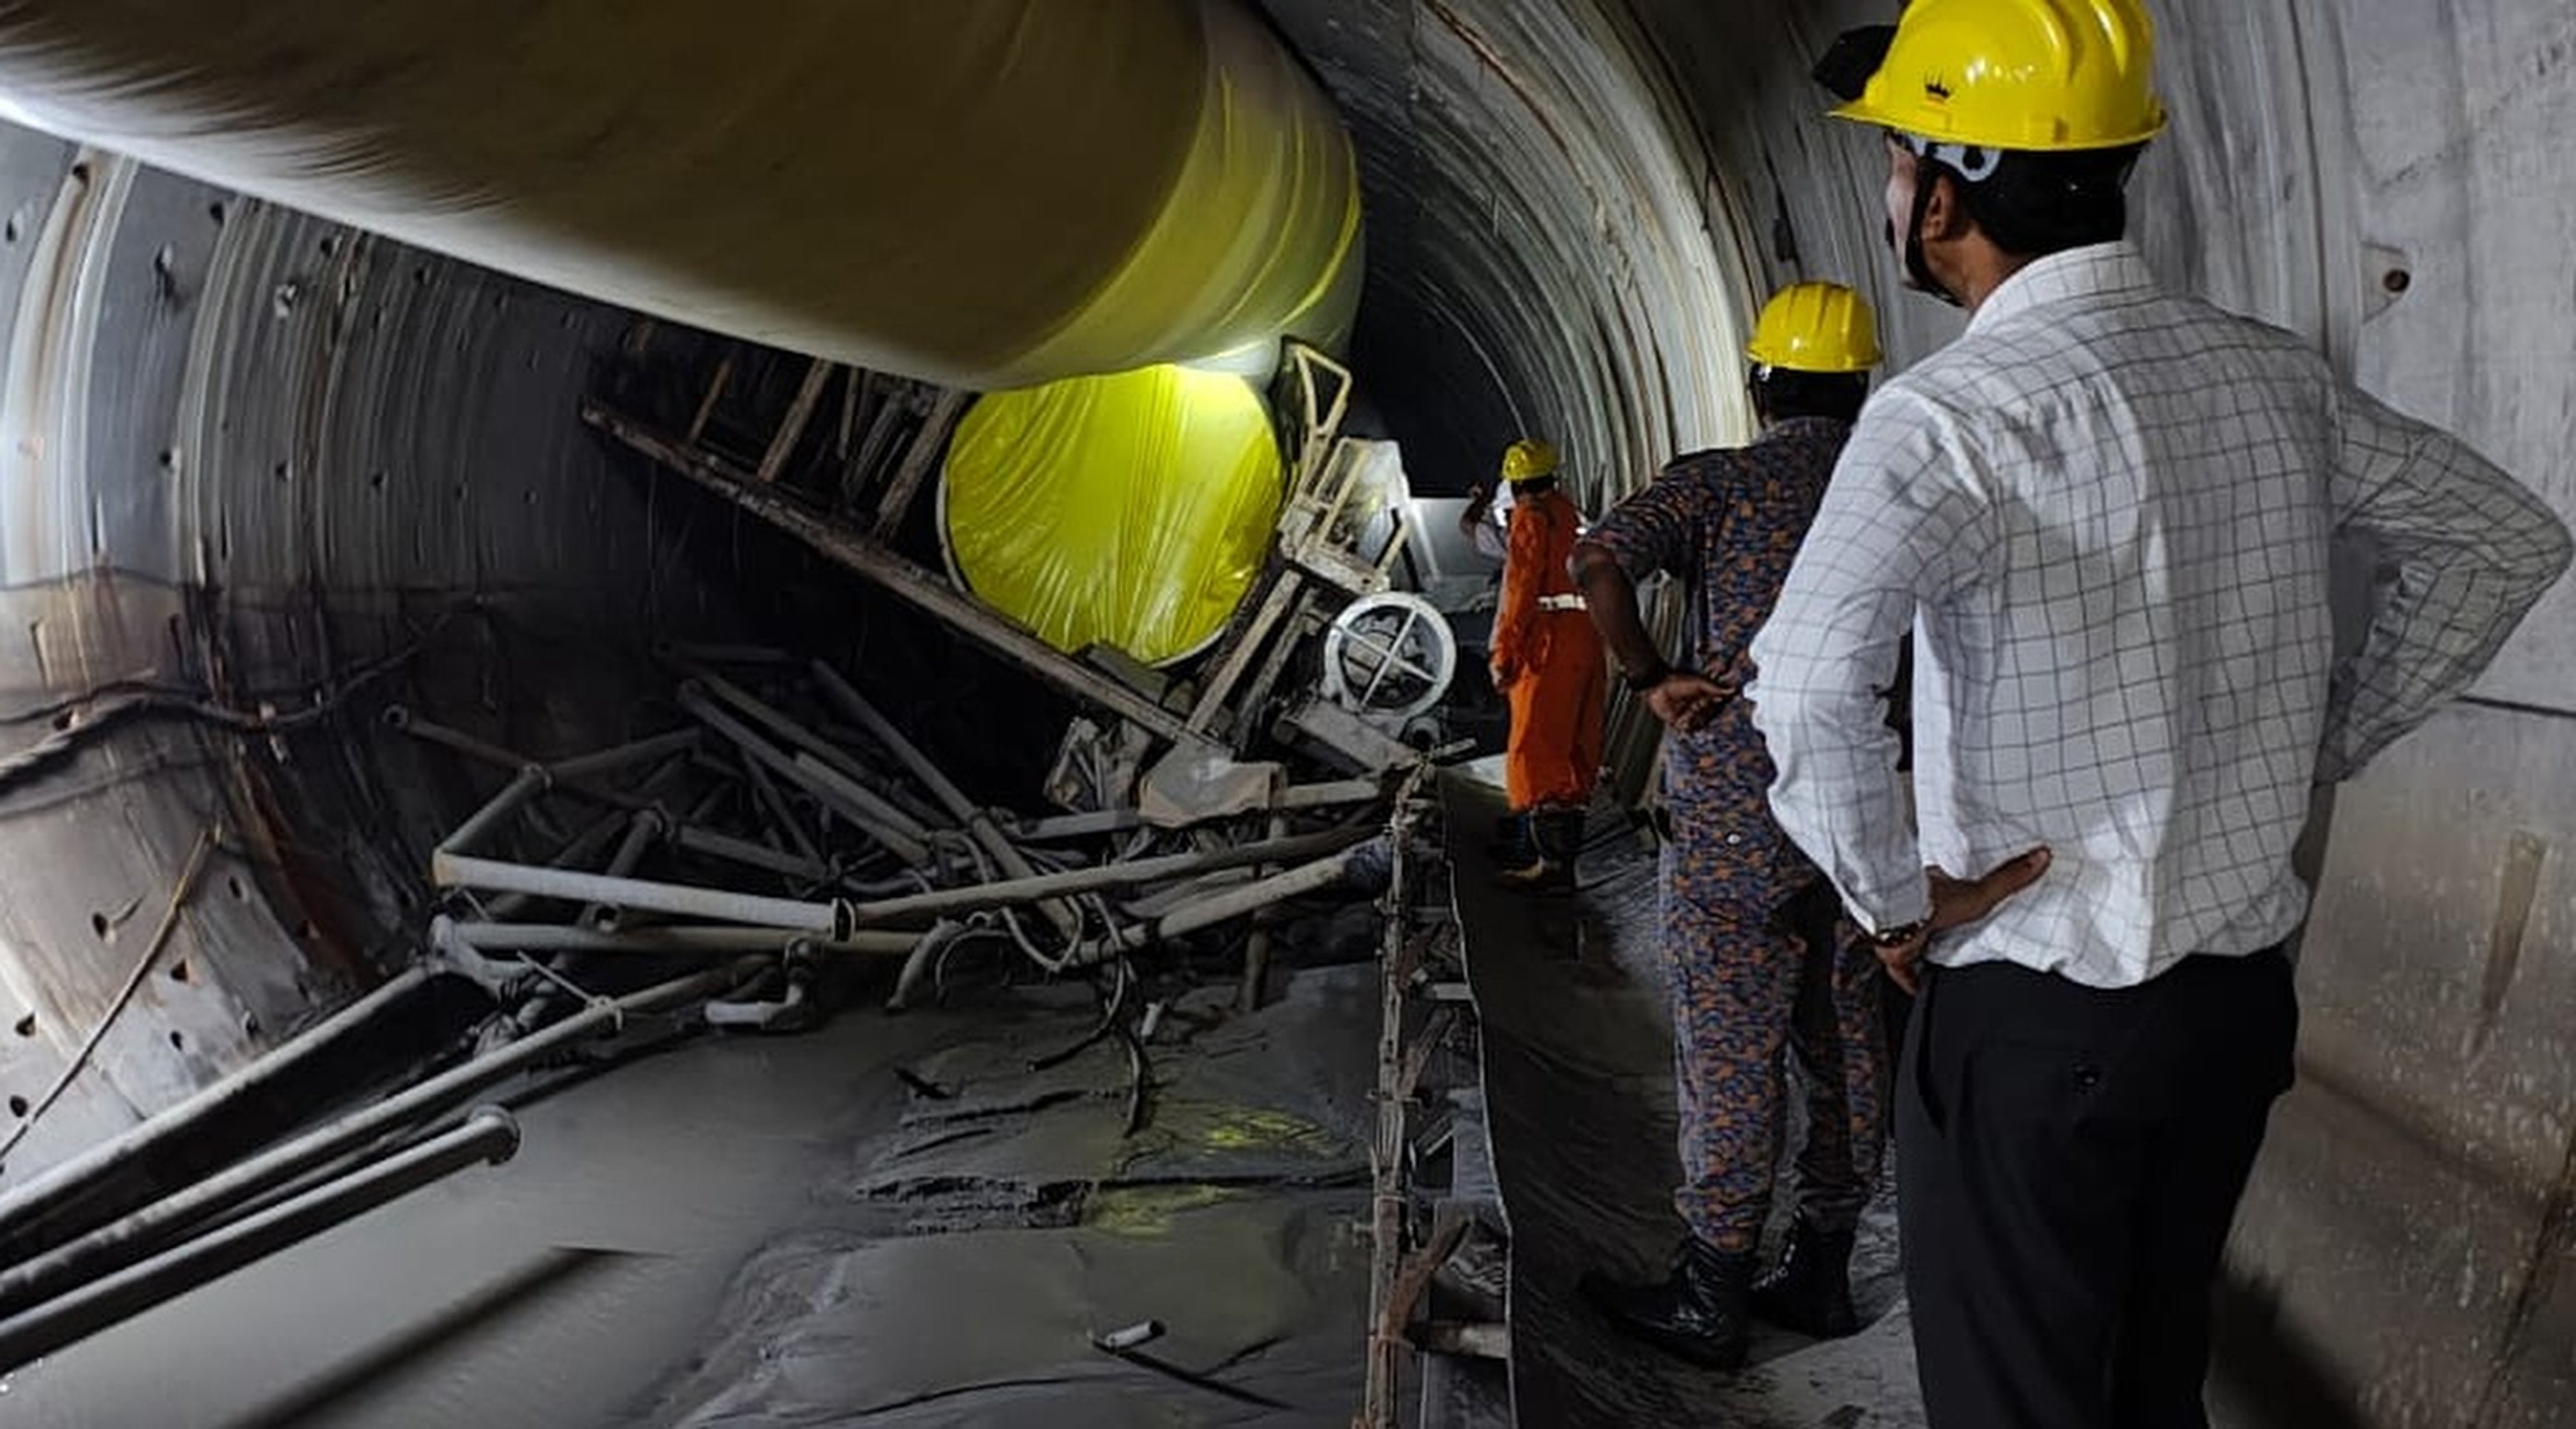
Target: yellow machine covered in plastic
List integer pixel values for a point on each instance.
(1132, 510)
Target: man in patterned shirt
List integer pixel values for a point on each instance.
(1748, 926)
(2104, 516)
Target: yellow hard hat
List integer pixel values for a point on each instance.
(1528, 460)
(1816, 327)
(2039, 76)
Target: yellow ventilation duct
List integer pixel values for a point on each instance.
(984, 193)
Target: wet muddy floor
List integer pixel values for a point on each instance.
(1578, 1067)
(891, 1221)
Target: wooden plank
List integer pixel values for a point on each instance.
(1391, 1292)
(1418, 1060)
(849, 413)
(1256, 948)
(1276, 603)
(892, 418)
(715, 392)
(799, 413)
(919, 462)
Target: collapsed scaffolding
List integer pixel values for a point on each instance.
(1150, 763)
(725, 872)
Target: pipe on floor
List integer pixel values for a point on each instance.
(112, 1177)
(448, 934)
(977, 821)
(1019, 892)
(171, 1220)
(822, 920)
(489, 1136)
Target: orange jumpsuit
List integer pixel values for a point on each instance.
(1548, 661)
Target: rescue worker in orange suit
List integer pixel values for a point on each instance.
(1749, 925)
(1547, 663)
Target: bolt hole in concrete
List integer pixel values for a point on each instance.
(18, 1107)
(2398, 280)
(98, 924)
(234, 886)
(178, 1042)
(27, 1025)
(9, 231)
(179, 971)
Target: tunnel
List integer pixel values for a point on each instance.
(267, 475)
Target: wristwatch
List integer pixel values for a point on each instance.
(1898, 936)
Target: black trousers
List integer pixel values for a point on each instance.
(2068, 1162)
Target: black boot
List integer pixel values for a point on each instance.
(1701, 1312)
(1809, 1291)
(1547, 866)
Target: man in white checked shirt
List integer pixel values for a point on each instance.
(2103, 515)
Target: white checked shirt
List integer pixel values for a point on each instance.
(2104, 513)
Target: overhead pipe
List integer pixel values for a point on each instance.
(980, 193)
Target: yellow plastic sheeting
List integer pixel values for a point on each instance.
(1131, 510)
(981, 193)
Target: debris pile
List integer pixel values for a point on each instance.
(788, 817)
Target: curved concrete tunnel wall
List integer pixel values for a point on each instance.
(1572, 201)
(249, 450)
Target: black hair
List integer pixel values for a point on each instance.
(1781, 394)
(2034, 204)
(1854, 56)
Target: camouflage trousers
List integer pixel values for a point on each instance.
(1750, 981)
